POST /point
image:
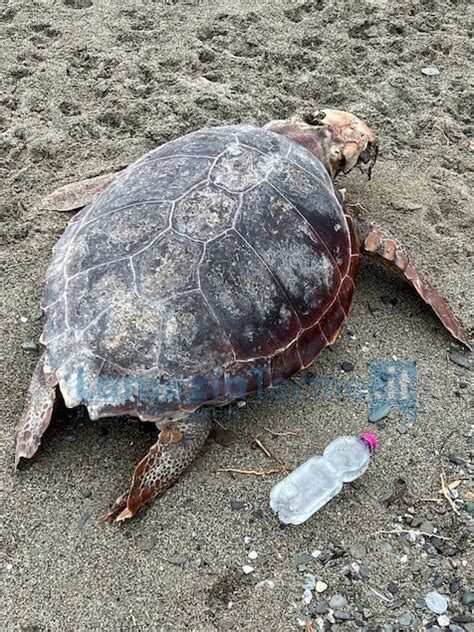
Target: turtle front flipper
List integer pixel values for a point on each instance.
(76, 195)
(37, 412)
(379, 242)
(177, 446)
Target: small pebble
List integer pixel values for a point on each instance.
(247, 569)
(386, 547)
(322, 607)
(83, 518)
(460, 359)
(265, 583)
(316, 553)
(302, 558)
(257, 514)
(443, 621)
(310, 581)
(392, 588)
(253, 555)
(223, 437)
(337, 601)
(364, 572)
(427, 527)
(320, 586)
(436, 602)
(146, 544)
(23, 319)
(405, 619)
(420, 604)
(342, 615)
(430, 71)
(247, 539)
(379, 412)
(307, 596)
(178, 560)
(438, 580)
(347, 367)
(454, 586)
(455, 458)
(402, 429)
(70, 438)
(236, 505)
(467, 599)
(404, 559)
(29, 345)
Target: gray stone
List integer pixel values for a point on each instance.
(454, 585)
(467, 598)
(455, 458)
(322, 607)
(236, 505)
(29, 345)
(430, 71)
(310, 581)
(405, 619)
(342, 615)
(436, 603)
(338, 601)
(302, 558)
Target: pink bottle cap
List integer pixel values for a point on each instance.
(370, 440)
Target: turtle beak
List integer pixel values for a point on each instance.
(368, 158)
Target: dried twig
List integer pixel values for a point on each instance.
(231, 470)
(416, 532)
(429, 500)
(445, 489)
(258, 442)
(287, 433)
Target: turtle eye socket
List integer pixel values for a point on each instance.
(314, 117)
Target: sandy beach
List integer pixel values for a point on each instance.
(87, 87)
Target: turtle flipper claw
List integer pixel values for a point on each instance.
(176, 448)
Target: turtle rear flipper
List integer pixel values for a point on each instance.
(177, 446)
(76, 195)
(379, 242)
(37, 413)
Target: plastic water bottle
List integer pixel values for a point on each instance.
(313, 484)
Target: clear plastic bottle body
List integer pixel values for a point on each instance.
(315, 482)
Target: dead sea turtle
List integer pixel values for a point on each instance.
(215, 266)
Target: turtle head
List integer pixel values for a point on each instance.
(339, 139)
(350, 141)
